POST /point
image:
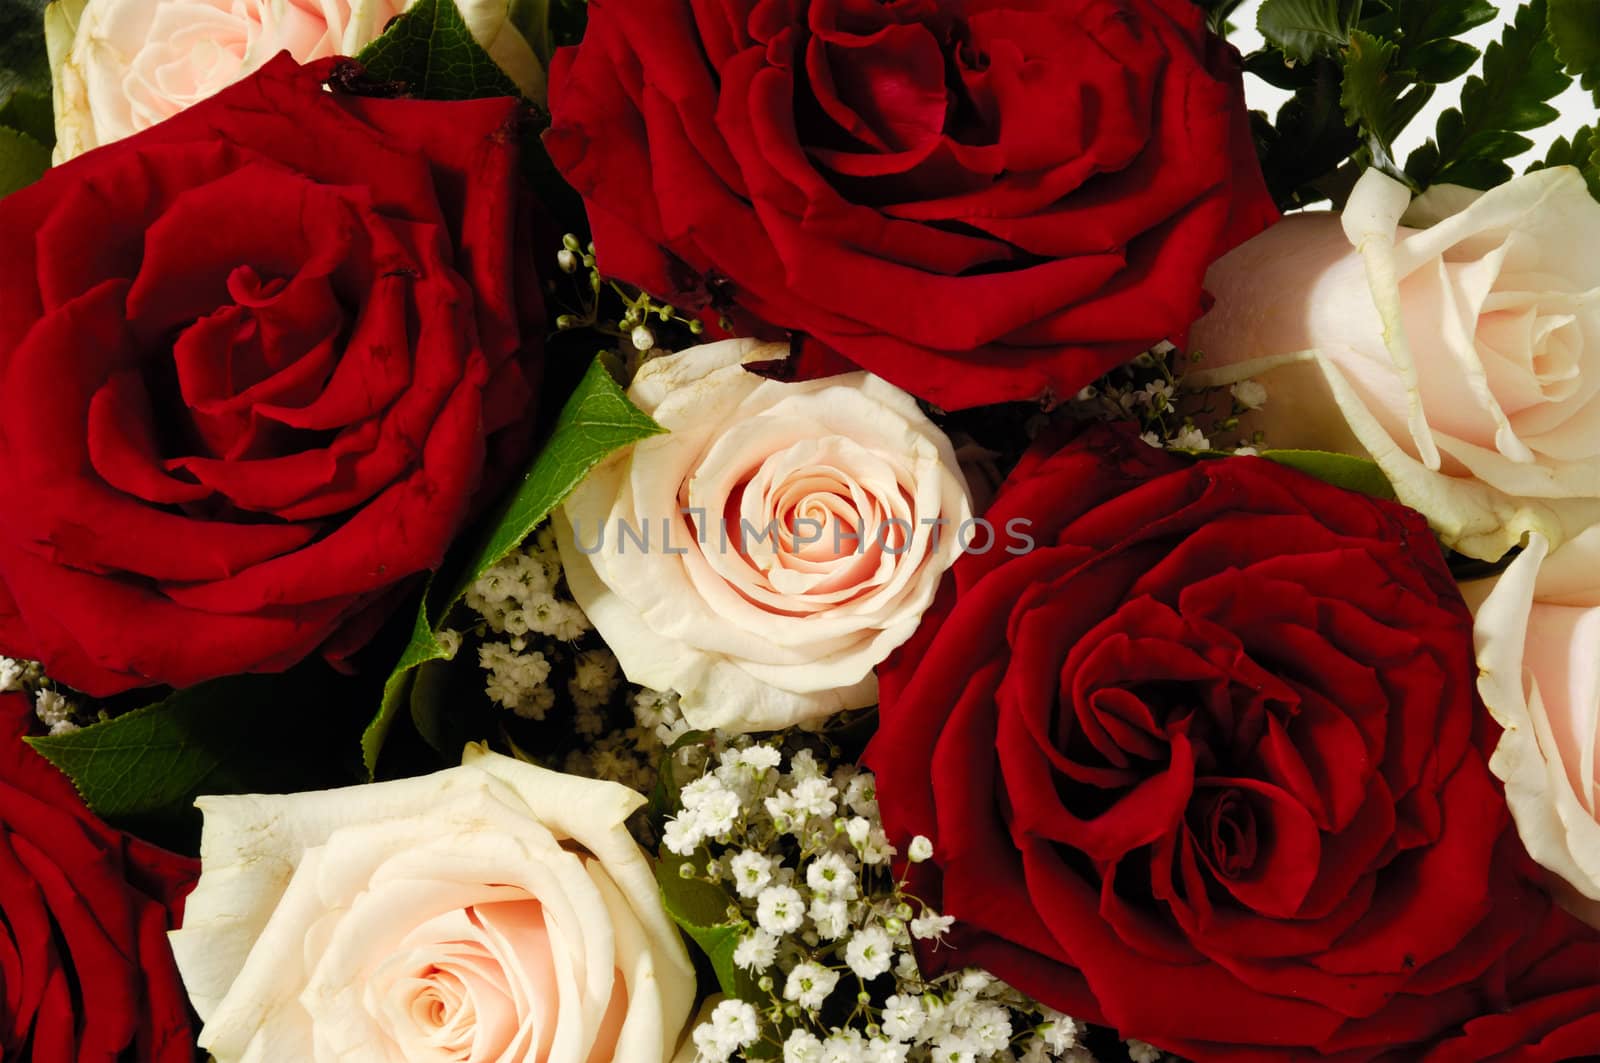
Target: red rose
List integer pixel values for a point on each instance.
(252, 362)
(979, 201)
(86, 975)
(1203, 765)
(1550, 1011)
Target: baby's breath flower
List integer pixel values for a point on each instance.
(806, 865)
(831, 875)
(55, 712)
(802, 1046)
(929, 927)
(756, 951)
(809, 985)
(780, 910)
(869, 953)
(734, 1025)
(1249, 394)
(830, 916)
(751, 873)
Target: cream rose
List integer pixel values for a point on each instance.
(1538, 639)
(797, 532)
(493, 912)
(128, 64)
(1455, 340)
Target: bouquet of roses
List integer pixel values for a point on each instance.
(826, 531)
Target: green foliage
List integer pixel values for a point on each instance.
(24, 65)
(27, 128)
(1310, 139)
(1471, 143)
(1368, 96)
(1574, 27)
(1361, 475)
(431, 51)
(597, 420)
(711, 918)
(1218, 13)
(1582, 151)
(29, 113)
(1304, 29)
(246, 734)
(22, 160)
(1386, 58)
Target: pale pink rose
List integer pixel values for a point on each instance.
(1454, 339)
(493, 912)
(797, 533)
(1538, 637)
(125, 65)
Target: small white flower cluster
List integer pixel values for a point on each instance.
(828, 932)
(632, 756)
(1151, 392)
(521, 599)
(52, 708)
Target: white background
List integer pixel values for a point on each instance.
(1576, 106)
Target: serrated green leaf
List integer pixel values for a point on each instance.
(431, 51)
(1574, 27)
(1415, 23)
(597, 420)
(1520, 73)
(245, 734)
(23, 160)
(1304, 29)
(1438, 62)
(1582, 152)
(1342, 470)
(1369, 94)
(701, 909)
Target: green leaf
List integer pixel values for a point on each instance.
(1304, 29)
(1342, 470)
(1582, 151)
(1574, 27)
(597, 420)
(431, 50)
(1369, 94)
(1438, 62)
(702, 910)
(1414, 24)
(1471, 143)
(245, 734)
(1218, 15)
(24, 63)
(1310, 139)
(29, 113)
(23, 160)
